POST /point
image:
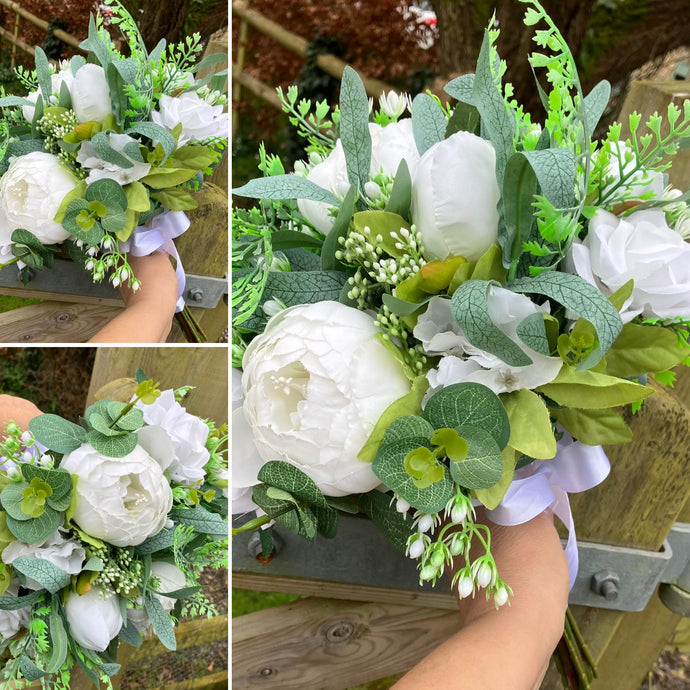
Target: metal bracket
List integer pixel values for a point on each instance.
(204, 291)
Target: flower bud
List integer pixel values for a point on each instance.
(428, 572)
(484, 575)
(426, 522)
(416, 548)
(465, 587)
(501, 596)
(437, 559)
(459, 514)
(401, 505)
(27, 437)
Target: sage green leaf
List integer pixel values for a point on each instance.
(555, 171)
(471, 405)
(100, 424)
(428, 122)
(10, 101)
(302, 260)
(470, 309)
(29, 669)
(642, 349)
(530, 424)
(158, 542)
(282, 187)
(532, 331)
(305, 287)
(491, 497)
(595, 103)
(182, 593)
(371, 224)
(95, 44)
(594, 427)
(401, 307)
(465, 118)
(57, 433)
(339, 229)
(203, 521)
(129, 634)
(342, 503)
(461, 88)
(401, 192)
(326, 521)
(388, 466)
(43, 74)
(60, 480)
(409, 426)
(592, 390)
(577, 295)
(155, 133)
(290, 239)
(395, 527)
(44, 572)
(131, 421)
(519, 188)
(112, 446)
(14, 603)
(35, 530)
(102, 147)
(12, 496)
(162, 625)
(354, 128)
(482, 466)
(94, 564)
(283, 475)
(59, 641)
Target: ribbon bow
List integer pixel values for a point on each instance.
(159, 234)
(547, 483)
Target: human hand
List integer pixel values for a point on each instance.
(18, 410)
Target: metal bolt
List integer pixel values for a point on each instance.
(254, 544)
(196, 295)
(266, 672)
(605, 583)
(340, 631)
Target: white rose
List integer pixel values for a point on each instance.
(187, 433)
(171, 578)
(389, 146)
(642, 247)
(507, 309)
(11, 622)
(94, 618)
(91, 94)
(32, 190)
(315, 384)
(66, 554)
(57, 79)
(100, 169)
(200, 120)
(454, 197)
(120, 500)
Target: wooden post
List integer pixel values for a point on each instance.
(14, 45)
(237, 86)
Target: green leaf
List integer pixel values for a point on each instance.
(532, 331)
(131, 421)
(44, 572)
(193, 157)
(354, 128)
(291, 239)
(129, 634)
(137, 196)
(43, 74)
(175, 199)
(409, 404)
(109, 193)
(482, 466)
(374, 223)
(555, 171)
(28, 668)
(158, 542)
(401, 192)
(428, 122)
(155, 133)
(60, 480)
(101, 425)
(10, 101)
(491, 497)
(342, 503)
(12, 496)
(299, 520)
(519, 188)
(202, 520)
(422, 466)
(591, 390)
(594, 427)
(59, 641)
(162, 625)
(94, 564)
(454, 445)
(391, 524)
(389, 467)
(461, 88)
(326, 521)
(595, 103)
(488, 267)
(469, 405)
(585, 300)
(35, 530)
(305, 287)
(164, 177)
(283, 475)
(465, 118)
(57, 433)
(112, 446)
(530, 424)
(339, 229)
(14, 603)
(641, 349)
(282, 187)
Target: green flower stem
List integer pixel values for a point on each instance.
(9, 263)
(259, 521)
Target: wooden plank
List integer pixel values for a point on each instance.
(54, 322)
(215, 681)
(330, 645)
(29, 293)
(42, 24)
(347, 592)
(204, 367)
(258, 88)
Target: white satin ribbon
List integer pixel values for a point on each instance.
(546, 484)
(159, 234)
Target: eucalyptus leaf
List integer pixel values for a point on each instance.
(408, 426)
(428, 122)
(354, 128)
(60, 480)
(482, 466)
(112, 446)
(35, 530)
(283, 475)
(397, 528)
(57, 433)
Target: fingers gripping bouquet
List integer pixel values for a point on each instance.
(459, 302)
(99, 159)
(104, 530)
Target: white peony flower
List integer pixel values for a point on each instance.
(171, 578)
(187, 433)
(94, 618)
(199, 119)
(315, 384)
(120, 500)
(91, 94)
(31, 192)
(454, 197)
(11, 622)
(640, 246)
(5, 236)
(57, 79)
(100, 169)
(66, 554)
(389, 146)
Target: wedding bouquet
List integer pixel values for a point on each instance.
(104, 530)
(99, 159)
(443, 311)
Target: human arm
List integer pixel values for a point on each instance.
(509, 647)
(18, 410)
(148, 313)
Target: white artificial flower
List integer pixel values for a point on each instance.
(91, 94)
(438, 331)
(454, 197)
(199, 119)
(640, 247)
(57, 79)
(120, 500)
(94, 618)
(171, 579)
(5, 236)
(32, 190)
(395, 104)
(66, 554)
(187, 432)
(100, 169)
(11, 622)
(389, 146)
(245, 458)
(315, 383)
